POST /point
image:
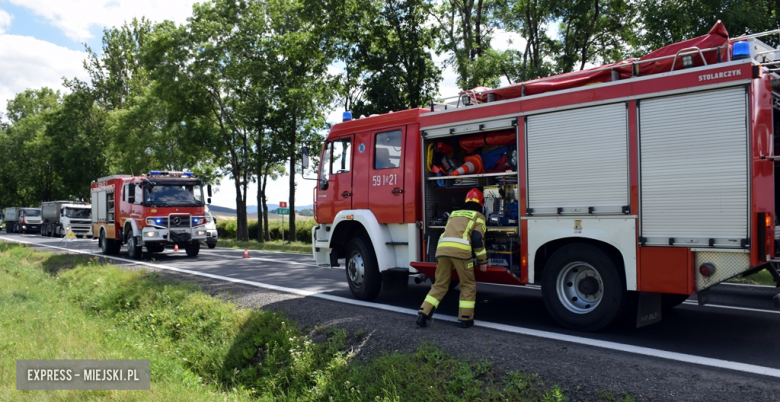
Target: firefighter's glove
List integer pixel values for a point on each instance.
(483, 267)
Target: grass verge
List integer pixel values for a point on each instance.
(273, 245)
(203, 348)
(762, 277)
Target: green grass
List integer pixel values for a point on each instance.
(762, 277)
(204, 348)
(273, 245)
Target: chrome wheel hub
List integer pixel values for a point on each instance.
(579, 287)
(356, 269)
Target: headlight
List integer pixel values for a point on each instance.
(152, 234)
(155, 221)
(201, 232)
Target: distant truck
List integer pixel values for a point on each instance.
(211, 230)
(61, 216)
(23, 220)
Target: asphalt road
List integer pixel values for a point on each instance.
(740, 325)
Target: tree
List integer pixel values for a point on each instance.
(387, 53)
(669, 21)
(531, 19)
(204, 73)
(466, 28)
(27, 176)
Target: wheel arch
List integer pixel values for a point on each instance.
(133, 227)
(351, 223)
(544, 252)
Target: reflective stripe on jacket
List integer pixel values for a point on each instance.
(464, 234)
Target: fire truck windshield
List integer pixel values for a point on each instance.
(78, 213)
(174, 195)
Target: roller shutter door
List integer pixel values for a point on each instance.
(578, 159)
(693, 167)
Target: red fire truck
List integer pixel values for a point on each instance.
(152, 211)
(619, 189)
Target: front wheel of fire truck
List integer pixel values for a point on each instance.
(582, 289)
(363, 275)
(134, 251)
(193, 249)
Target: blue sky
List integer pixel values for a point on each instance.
(42, 41)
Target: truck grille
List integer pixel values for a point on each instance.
(180, 221)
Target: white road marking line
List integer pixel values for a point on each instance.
(748, 285)
(640, 350)
(757, 310)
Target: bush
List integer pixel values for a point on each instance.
(227, 229)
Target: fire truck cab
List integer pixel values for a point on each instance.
(620, 189)
(152, 211)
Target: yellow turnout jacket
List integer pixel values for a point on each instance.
(464, 233)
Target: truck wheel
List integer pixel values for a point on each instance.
(134, 251)
(104, 247)
(582, 289)
(363, 275)
(670, 301)
(193, 249)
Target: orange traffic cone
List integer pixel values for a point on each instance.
(246, 253)
(175, 248)
(473, 165)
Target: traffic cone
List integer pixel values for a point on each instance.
(473, 165)
(175, 248)
(246, 253)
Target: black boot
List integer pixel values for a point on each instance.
(466, 323)
(422, 320)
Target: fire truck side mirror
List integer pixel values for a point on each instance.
(305, 157)
(208, 200)
(131, 194)
(208, 190)
(323, 183)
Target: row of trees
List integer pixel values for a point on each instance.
(234, 92)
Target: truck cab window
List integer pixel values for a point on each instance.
(325, 166)
(341, 159)
(387, 150)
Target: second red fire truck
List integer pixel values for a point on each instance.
(151, 211)
(619, 189)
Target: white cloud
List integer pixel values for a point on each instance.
(77, 17)
(26, 62)
(5, 21)
(278, 190)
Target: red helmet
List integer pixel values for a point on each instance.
(475, 195)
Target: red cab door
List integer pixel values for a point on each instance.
(334, 188)
(386, 180)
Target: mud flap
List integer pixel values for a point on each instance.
(395, 280)
(649, 310)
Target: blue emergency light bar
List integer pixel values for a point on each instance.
(166, 173)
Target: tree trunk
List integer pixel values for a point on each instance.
(293, 144)
(259, 190)
(265, 205)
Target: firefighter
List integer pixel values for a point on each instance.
(462, 240)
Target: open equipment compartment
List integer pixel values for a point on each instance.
(484, 156)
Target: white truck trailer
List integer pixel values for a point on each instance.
(22, 220)
(61, 216)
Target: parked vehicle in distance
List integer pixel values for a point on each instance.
(152, 211)
(23, 220)
(211, 230)
(61, 216)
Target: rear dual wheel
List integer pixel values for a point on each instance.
(582, 288)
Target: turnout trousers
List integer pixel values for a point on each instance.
(468, 287)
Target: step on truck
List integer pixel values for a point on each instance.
(149, 211)
(23, 220)
(61, 217)
(621, 189)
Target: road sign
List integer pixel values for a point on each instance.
(283, 211)
(282, 204)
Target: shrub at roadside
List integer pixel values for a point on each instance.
(204, 348)
(227, 229)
